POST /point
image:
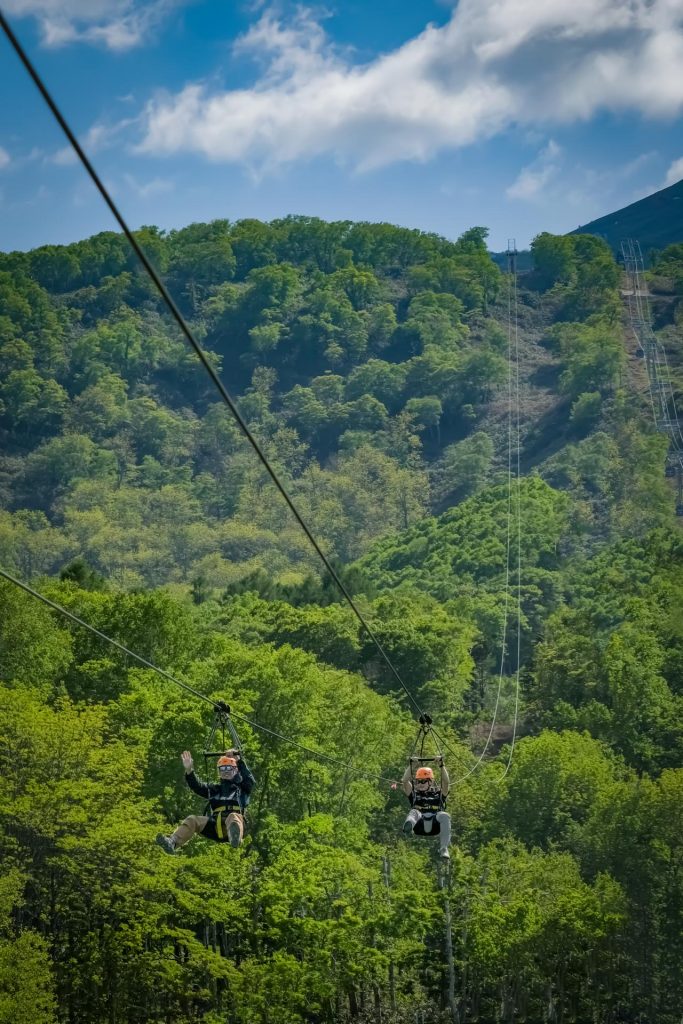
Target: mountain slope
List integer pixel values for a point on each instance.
(656, 221)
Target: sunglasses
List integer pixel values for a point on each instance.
(227, 768)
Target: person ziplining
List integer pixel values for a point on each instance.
(427, 815)
(227, 799)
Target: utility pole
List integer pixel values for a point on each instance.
(386, 872)
(444, 882)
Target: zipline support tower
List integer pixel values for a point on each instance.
(650, 349)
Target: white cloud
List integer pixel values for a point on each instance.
(64, 157)
(674, 174)
(114, 24)
(496, 64)
(144, 190)
(98, 137)
(571, 185)
(532, 179)
(5, 159)
(631, 168)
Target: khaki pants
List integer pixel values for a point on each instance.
(199, 822)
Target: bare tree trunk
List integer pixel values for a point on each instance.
(449, 958)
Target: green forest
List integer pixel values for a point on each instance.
(373, 364)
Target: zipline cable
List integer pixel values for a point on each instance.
(519, 509)
(659, 348)
(189, 335)
(308, 750)
(184, 686)
(512, 346)
(103, 636)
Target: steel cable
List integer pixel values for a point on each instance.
(185, 686)
(189, 335)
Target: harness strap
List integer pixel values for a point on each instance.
(220, 821)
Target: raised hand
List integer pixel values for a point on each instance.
(188, 763)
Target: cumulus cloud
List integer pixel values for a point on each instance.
(495, 64)
(64, 157)
(675, 173)
(5, 159)
(114, 24)
(147, 189)
(533, 178)
(99, 136)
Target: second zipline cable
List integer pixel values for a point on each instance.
(179, 682)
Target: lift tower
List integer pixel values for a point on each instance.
(659, 381)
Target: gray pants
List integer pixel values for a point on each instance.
(424, 825)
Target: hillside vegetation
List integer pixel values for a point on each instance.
(372, 364)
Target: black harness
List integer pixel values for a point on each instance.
(430, 802)
(230, 799)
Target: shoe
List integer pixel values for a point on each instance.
(234, 834)
(445, 855)
(166, 843)
(407, 826)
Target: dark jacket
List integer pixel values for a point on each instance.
(429, 802)
(227, 793)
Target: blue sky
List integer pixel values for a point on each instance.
(518, 114)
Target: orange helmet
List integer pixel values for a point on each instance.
(424, 773)
(226, 760)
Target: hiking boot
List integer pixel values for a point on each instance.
(408, 826)
(445, 855)
(234, 834)
(166, 843)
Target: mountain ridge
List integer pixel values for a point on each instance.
(656, 221)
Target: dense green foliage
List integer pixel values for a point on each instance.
(371, 364)
(353, 349)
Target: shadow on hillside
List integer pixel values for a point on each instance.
(547, 437)
(546, 376)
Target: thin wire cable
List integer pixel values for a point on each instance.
(458, 755)
(189, 335)
(508, 538)
(659, 347)
(629, 256)
(655, 350)
(103, 636)
(309, 750)
(185, 686)
(670, 381)
(641, 323)
(518, 439)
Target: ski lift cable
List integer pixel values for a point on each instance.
(216, 705)
(201, 355)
